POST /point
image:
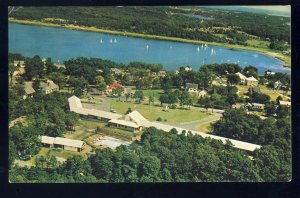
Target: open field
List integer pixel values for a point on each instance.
(277, 54)
(150, 112)
(272, 93)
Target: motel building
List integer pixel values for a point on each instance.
(123, 124)
(62, 143)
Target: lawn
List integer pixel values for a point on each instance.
(153, 112)
(153, 92)
(88, 125)
(258, 43)
(205, 127)
(264, 89)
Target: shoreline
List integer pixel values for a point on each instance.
(285, 59)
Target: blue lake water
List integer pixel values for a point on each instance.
(63, 44)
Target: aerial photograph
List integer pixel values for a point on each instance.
(149, 94)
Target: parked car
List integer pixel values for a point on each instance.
(113, 111)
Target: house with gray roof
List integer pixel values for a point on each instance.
(49, 87)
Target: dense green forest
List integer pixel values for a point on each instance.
(237, 27)
(163, 157)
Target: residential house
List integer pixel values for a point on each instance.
(285, 103)
(49, 87)
(202, 93)
(188, 68)
(270, 73)
(277, 84)
(238, 106)
(192, 88)
(242, 77)
(19, 63)
(116, 71)
(161, 73)
(112, 86)
(251, 81)
(254, 106)
(29, 91)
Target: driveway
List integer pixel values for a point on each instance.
(194, 124)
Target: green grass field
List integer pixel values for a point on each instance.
(205, 127)
(153, 92)
(175, 116)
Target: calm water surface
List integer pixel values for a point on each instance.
(63, 44)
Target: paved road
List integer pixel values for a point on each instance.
(194, 124)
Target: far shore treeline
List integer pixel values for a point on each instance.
(237, 30)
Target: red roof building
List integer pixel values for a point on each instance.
(113, 86)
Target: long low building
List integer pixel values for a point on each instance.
(127, 125)
(63, 143)
(134, 121)
(76, 106)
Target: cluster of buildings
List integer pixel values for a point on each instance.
(192, 88)
(135, 122)
(46, 88)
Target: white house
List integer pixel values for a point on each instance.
(242, 77)
(277, 84)
(251, 81)
(284, 103)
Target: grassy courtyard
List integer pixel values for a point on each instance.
(150, 112)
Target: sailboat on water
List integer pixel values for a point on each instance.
(115, 41)
(198, 49)
(101, 41)
(110, 41)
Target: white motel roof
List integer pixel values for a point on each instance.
(103, 114)
(139, 120)
(68, 142)
(61, 141)
(236, 143)
(124, 123)
(74, 102)
(47, 139)
(76, 106)
(137, 117)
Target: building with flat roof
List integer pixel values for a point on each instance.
(123, 124)
(63, 143)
